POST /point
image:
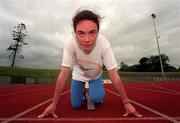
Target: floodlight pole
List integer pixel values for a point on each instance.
(157, 37)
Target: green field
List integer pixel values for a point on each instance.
(29, 72)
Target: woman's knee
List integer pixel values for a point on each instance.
(76, 93)
(97, 98)
(76, 105)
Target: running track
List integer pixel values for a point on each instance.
(158, 102)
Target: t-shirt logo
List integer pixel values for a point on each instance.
(89, 68)
(84, 69)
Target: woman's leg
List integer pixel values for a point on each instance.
(77, 93)
(96, 90)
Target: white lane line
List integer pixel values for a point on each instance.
(148, 108)
(158, 86)
(14, 93)
(29, 110)
(157, 91)
(2, 89)
(92, 119)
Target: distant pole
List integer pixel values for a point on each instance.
(157, 37)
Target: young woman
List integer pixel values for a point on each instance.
(85, 54)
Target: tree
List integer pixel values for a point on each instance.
(179, 68)
(123, 67)
(152, 64)
(171, 69)
(19, 33)
(149, 64)
(144, 64)
(155, 63)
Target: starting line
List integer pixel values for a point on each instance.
(93, 119)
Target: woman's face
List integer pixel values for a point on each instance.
(86, 35)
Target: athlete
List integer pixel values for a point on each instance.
(85, 54)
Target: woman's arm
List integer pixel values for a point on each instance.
(115, 78)
(60, 83)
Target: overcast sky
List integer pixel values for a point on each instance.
(127, 24)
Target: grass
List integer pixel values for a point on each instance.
(144, 74)
(29, 72)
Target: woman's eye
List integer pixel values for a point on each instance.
(81, 35)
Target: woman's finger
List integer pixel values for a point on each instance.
(137, 114)
(126, 114)
(54, 115)
(42, 115)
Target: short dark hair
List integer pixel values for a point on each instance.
(85, 15)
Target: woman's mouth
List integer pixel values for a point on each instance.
(87, 46)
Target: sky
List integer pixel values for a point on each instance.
(127, 24)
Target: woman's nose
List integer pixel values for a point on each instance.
(86, 40)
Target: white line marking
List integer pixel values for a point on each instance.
(14, 86)
(149, 109)
(22, 92)
(158, 86)
(92, 119)
(29, 110)
(157, 91)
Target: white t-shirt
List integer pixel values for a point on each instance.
(88, 67)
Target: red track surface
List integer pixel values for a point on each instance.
(158, 102)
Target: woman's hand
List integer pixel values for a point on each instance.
(50, 110)
(131, 110)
